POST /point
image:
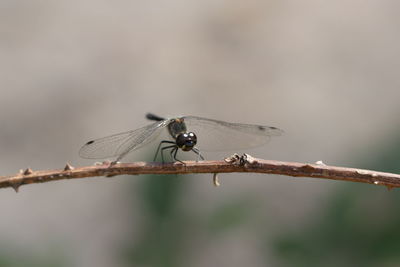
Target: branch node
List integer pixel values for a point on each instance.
(247, 159)
(233, 159)
(243, 160)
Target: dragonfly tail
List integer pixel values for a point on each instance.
(153, 117)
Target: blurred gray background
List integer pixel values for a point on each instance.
(70, 71)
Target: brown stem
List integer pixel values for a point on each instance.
(233, 164)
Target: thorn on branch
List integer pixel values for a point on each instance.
(68, 167)
(28, 171)
(215, 180)
(15, 185)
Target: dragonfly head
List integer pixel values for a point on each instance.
(186, 141)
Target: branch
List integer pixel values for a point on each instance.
(235, 163)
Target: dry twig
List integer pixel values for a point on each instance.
(235, 163)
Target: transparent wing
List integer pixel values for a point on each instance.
(118, 145)
(214, 135)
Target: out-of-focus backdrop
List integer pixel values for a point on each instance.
(325, 72)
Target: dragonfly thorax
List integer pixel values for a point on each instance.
(176, 127)
(186, 141)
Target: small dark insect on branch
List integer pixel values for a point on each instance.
(234, 163)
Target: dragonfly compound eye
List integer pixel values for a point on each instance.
(186, 141)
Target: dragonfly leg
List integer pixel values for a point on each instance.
(159, 146)
(197, 151)
(167, 147)
(173, 155)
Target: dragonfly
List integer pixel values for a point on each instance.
(207, 134)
